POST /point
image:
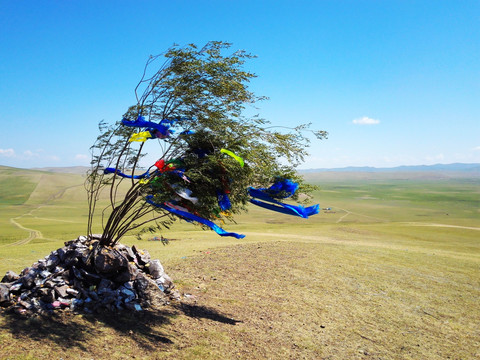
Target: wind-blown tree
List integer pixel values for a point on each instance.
(209, 151)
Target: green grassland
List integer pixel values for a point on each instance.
(390, 271)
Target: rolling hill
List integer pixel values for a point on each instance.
(456, 167)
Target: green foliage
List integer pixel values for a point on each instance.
(203, 92)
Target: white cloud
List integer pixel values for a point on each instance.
(28, 158)
(366, 121)
(476, 148)
(30, 154)
(81, 157)
(7, 152)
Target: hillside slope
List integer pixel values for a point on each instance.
(32, 199)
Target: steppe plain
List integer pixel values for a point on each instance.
(390, 269)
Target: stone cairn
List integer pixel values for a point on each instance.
(83, 276)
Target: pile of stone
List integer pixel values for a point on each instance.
(83, 276)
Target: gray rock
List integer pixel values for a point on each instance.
(155, 269)
(93, 295)
(66, 276)
(25, 303)
(126, 251)
(165, 283)
(25, 295)
(104, 284)
(28, 281)
(85, 256)
(82, 238)
(128, 285)
(127, 294)
(141, 284)
(130, 253)
(123, 277)
(4, 295)
(61, 290)
(52, 261)
(77, 273)
(46, 295)
(10, 276)
(90, 277)
(49, 284)
(72, 292)
(133, 306)
(143, 257)
(62, 252)
(42, 264)
(16, 287)
(78, 285)
(76, 304)
(45, 273)
(71, 258)
(109, 261)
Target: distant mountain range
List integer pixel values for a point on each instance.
(65, 169)
(456, 167)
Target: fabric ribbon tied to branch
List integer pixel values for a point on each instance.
(283, 188)
(236, 157)
(189, 216)
(162, 127)
(110, 170)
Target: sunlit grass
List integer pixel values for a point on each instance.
(380, 275)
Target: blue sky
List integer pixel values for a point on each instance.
(393, 82)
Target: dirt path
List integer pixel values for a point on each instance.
(343, 216)
(348, 212)
(60, 220)
(442, 225)
(34, 234)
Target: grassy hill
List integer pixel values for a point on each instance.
(457, 169)
(29, 195)
(16, 185)
(390, 271)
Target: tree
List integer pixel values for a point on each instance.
(194, 106)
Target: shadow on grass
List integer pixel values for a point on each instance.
(204, 312)
(54, 328)
(73, 331)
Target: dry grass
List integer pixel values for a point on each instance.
(369, 280)
(282, 300)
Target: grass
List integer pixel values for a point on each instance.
(386, 274)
